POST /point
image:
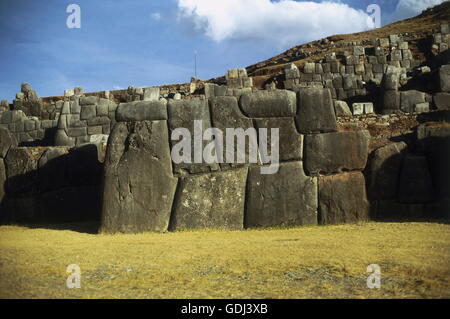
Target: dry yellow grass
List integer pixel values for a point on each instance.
(308, 262)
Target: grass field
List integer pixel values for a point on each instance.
(308, 262)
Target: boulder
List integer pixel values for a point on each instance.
(391, 100)
(415, 181)
(142, 111)
(342, 199)
(7, 141)
(290, 144)
(315, 111)
(138, 183)
(408, 99)
(287, 198)
(384, 170)
(210, 201)
(183, 114)
(330, 153)
(444, 78)
(276, 103)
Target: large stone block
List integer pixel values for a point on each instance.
(391, 100)
(225, 113)
(210, 201)
(385, 167)
(7, 140)
(408, 99)
(342, 199)
(87, 112)
(275, 103)
(315, 111)
(184, 114)
(341, 108)
(21, 170)
(138, 183)
(287, 198)
(415, 181)
(336, 152)
(444, 78)
(142, 111)
(290, 144)
(53, 173)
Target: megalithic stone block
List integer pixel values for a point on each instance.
(415, 181)
(2, 181)
(315, 111)
(286, 198)
(138, 183)
(142, 111)
(342, 199)
(210, 201)
(225, 113)
(261, 104)
(183, 114)
(330, 153)
(7, 141)
(384, 170)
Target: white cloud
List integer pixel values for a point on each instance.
(280, 23)
(156, 16)
(411, 8)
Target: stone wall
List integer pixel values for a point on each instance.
(48, 184)
(146, 191)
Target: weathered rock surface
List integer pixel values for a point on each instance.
(290, 141)
(444, 78)
(2, 180)
(342, 199)
(442, 101)
(225, 113)
(341, 108)
(21, 170)
(415, 181)
(385, 167)
(408, 99)
(210, 201)
(287, 198)
(315, 111)
(142, 111)
(183, 114)
(276, 103)
(138, 183)
(330, 153)
(7, 140)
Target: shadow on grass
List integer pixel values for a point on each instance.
(79, 227)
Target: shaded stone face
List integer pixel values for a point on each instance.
(415, 181)
(444, 78)
(385, 167)
(342, 199)
(2, 180)
(138, 181)
(330, 153)
(7, 140)
(210, 201)
(287, 198)
(315, 111)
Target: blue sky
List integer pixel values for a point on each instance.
(152, 42)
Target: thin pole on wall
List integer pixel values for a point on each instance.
(195, 63)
